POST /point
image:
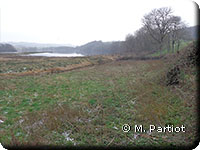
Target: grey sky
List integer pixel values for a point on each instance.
(77, 22)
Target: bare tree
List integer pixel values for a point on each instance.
(139, 42)
(130, 43)
(160, 28)
(159, 23)
(143, 41)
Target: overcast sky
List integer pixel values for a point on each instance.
(77, 22)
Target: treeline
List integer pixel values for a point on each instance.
(7, 48)
(161, 30)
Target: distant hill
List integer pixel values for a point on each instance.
(99, 47)
(60, 49)
(7, 48)
(38, 45)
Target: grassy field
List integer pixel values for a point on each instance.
(86, 101)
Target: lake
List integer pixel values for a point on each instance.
(55, 55)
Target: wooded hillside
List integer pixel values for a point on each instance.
(7, 48)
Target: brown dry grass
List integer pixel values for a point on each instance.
(51, 70)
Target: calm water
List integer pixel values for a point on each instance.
(56, 55)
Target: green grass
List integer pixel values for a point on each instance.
(166, 51)
(90, 106)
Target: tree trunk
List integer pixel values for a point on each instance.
(160, 47)
(178, 45)
(173, 42)
(168, 46)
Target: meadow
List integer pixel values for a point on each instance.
(85, 101)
